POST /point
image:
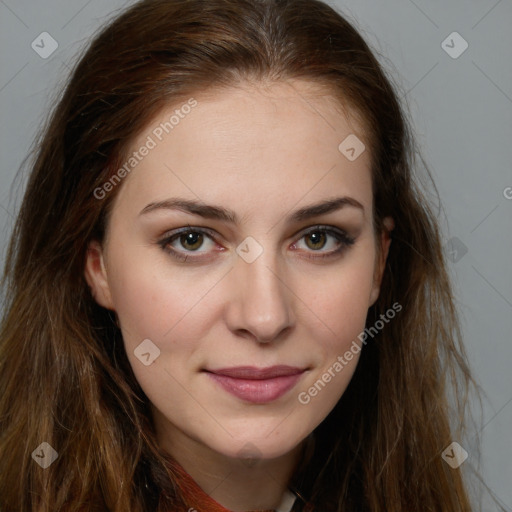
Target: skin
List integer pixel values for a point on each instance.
(263, 151)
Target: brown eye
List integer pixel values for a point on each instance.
(189, 243)
(317, 238)
(326, 241)
(191, 240)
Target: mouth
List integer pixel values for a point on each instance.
(257, 385)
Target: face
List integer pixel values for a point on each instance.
(241, 260)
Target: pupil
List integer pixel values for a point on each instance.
(192, 238)
(318, 237)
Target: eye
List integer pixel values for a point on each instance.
(318, 237)
(185, 243)
(187, 239)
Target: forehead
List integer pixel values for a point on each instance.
(265, 142)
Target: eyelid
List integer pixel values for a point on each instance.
(344, 240)
(322, 227)
(215, 235)
(167, 238)
(173, 233)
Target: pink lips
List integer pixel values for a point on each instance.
(257, 385)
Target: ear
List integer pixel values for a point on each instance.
(380, 264)
(96, 275)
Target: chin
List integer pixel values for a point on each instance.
(253, 446)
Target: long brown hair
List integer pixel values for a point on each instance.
(64, 376)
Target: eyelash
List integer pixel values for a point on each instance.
(343, 239)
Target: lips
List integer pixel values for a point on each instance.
(257, 385)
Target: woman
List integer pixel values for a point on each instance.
(225, 289)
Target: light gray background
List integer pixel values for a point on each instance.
(462, 113)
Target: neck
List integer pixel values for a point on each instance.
(234, 483)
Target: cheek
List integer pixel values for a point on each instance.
(147, 298)
(341, 300)
(158, 308)
(339, 307)
(148, 304)
(142, 301)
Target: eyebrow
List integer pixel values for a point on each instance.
(219, 213)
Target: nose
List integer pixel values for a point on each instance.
(261, 302)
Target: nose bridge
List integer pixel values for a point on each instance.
(264, 306)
